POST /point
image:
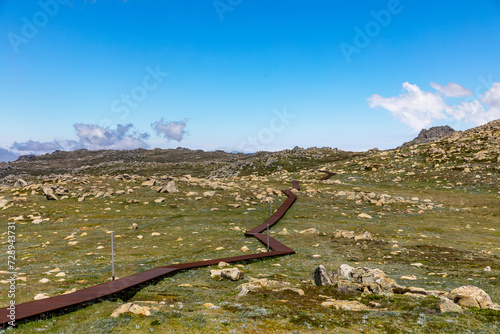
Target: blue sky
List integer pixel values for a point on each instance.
(242, 75)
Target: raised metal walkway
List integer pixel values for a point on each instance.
(84, 297)
(326, 177)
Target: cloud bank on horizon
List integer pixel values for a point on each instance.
(419, 109)
(96, 137)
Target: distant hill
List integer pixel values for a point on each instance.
(168, 161)
(430, 135)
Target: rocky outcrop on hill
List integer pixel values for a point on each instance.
(214, 164)
(375, 281)
(429, 135)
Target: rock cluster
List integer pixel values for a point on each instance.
(430, 135)
(233, 274)
(351, 235)
(375, 281)
(264, 283)
(348, 278)
(132, 308)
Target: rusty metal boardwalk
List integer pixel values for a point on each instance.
(84, 297)
(326, 177)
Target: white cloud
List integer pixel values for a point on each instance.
(413, 107)
(452, 89)
(171, 130)
(91, 136)
(32, 146)
(419, 109)
(474, 112)
(95, 137)
(492, 97)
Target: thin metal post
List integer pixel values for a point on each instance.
(267, 237)
(112, 257)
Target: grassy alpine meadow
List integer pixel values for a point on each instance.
(431, 227)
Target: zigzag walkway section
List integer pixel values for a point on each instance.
(65, 303)
(326, 177)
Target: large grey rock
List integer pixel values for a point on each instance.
(234, 274)
(471, 296)
(149, 183)
(20, 183)
(321, 277)
(447, 305)
(49, 194)
(168, 188)
(345, 272)
(171, 188)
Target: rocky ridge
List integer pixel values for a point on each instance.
(429, 135)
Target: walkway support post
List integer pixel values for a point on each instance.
(246, 221)
(268, 238)
(112, 257)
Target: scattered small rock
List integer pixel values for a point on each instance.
(312, 230)
(215, 273)
(346, 305)
(364, 236)
(234, 274)
(209, 305)
(284, 232)
(131, 308)
(41, 296)
(223, 264)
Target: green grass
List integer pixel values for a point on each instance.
(454, 242)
